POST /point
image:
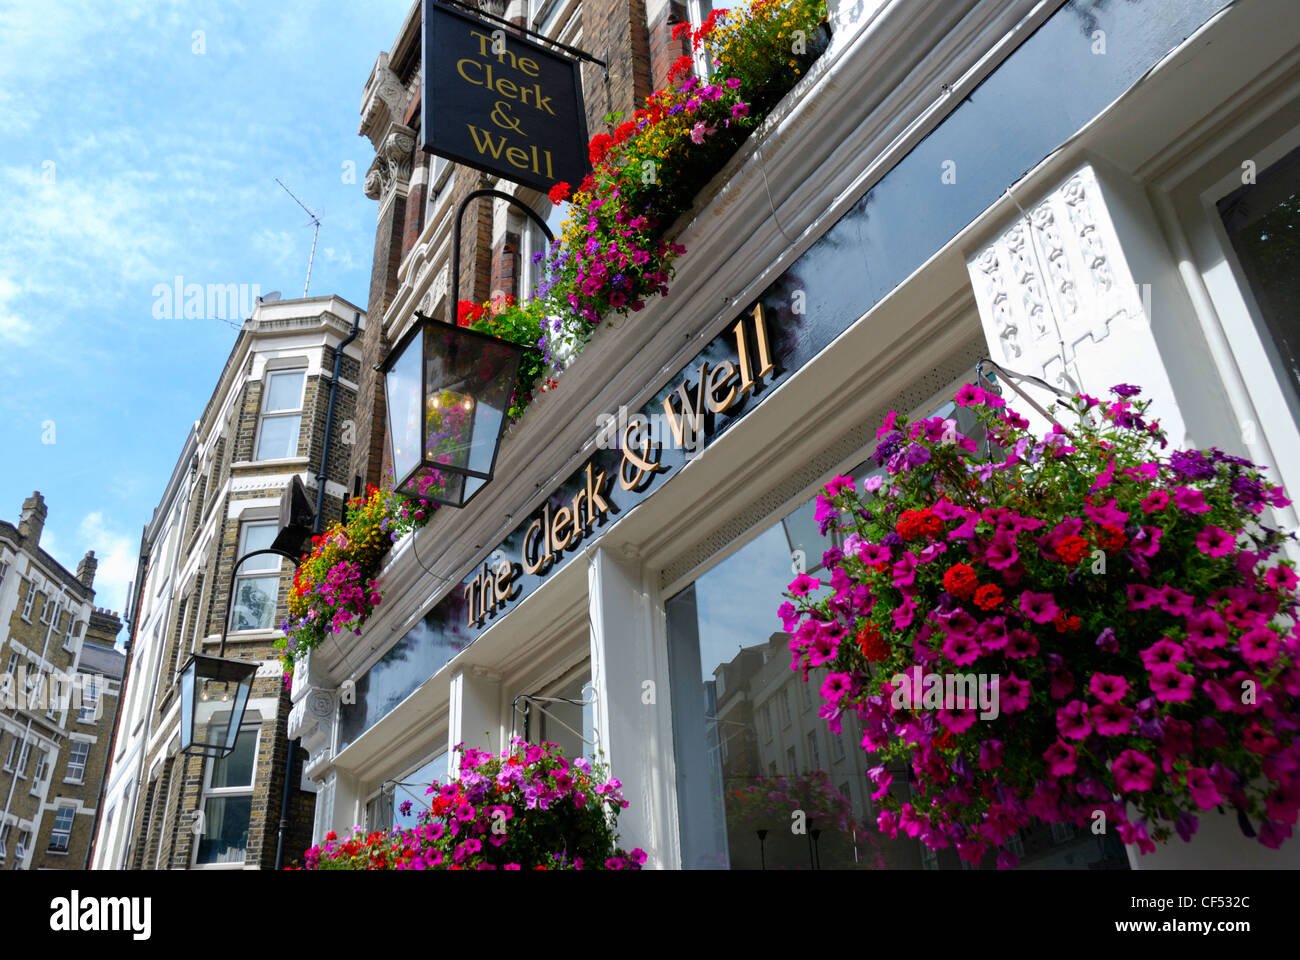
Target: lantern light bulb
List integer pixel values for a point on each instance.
(468, 403)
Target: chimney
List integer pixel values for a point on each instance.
(86, 570)
(32, 520)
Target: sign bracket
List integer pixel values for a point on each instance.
(571, 51)
(454, 304)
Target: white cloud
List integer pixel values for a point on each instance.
(13, 328)
(116, 552)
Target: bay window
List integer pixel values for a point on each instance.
(257, 581)
(228, 803)
(282, 396)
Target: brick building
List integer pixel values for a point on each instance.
(58, 698)
(1088, 193)
(263, 426)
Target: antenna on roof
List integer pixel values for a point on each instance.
(315, 233)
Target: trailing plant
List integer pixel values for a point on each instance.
(1130, 612)
(529, 808)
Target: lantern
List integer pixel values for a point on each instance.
(214, 693)
(448, 390)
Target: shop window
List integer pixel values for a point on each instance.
(77, 755)
(228, 803)
(258, 579)
(1262, 221)
(277, 434)
(61, 834)
(736, 812)
(413, 789)
(563, 714)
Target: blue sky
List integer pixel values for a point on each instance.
(134, 149)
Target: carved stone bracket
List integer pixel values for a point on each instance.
(384, 101)
(1058, 299)
(390, 172)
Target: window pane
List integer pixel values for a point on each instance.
(1263, 222)
(279, 438)
(258, 536)
(225, 829)
(412, 790)
(284, 392)
(236, 770)
(255, 603)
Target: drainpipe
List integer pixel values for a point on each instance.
(317, 522)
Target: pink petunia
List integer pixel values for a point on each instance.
(1171, 685)
(1163, 653)
(1281, 578)
(1215, 541)
(1038, 607)
(1108, 688)
(1204, 793)
(1111, 719)
(1133, 772)
(1020, 644)
(1072, 720)
(1259, 645)
(1155, 500)
(1013, 694)
(1190, 501)
(1061, 758)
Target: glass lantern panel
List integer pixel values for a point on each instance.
(469, 380)
(402, 390)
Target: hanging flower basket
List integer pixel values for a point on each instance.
(528, 809)
(1077, 630)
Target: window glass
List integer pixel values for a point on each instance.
(77, 760)
(258, 536)
(236, 770)
(413, 789)
(1262, 220)
(284, 391)
(729, 661)
(62, 830)
(225, 833)
(279, 438)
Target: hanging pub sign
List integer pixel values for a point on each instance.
(500, 103)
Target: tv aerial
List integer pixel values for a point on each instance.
(315, 220)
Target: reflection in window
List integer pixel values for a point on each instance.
(1263, 222)
(729, 662)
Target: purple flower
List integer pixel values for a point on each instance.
(1125, 390)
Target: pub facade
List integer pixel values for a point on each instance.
(1081, 191)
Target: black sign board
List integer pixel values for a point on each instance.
(500, 103)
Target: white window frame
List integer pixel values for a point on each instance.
(80, 772)
(211, 792)
(1189, 207)
(263, 414)
(24, 841)
(4, 840)
(42, 768)
(74, 631)
(249, 570)
(438, 188)
(29, 602)
(24, 755)
(56, 831)
(53, 619)
(4, 571)
(13, 750)
(90, 695)
(12, 667)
